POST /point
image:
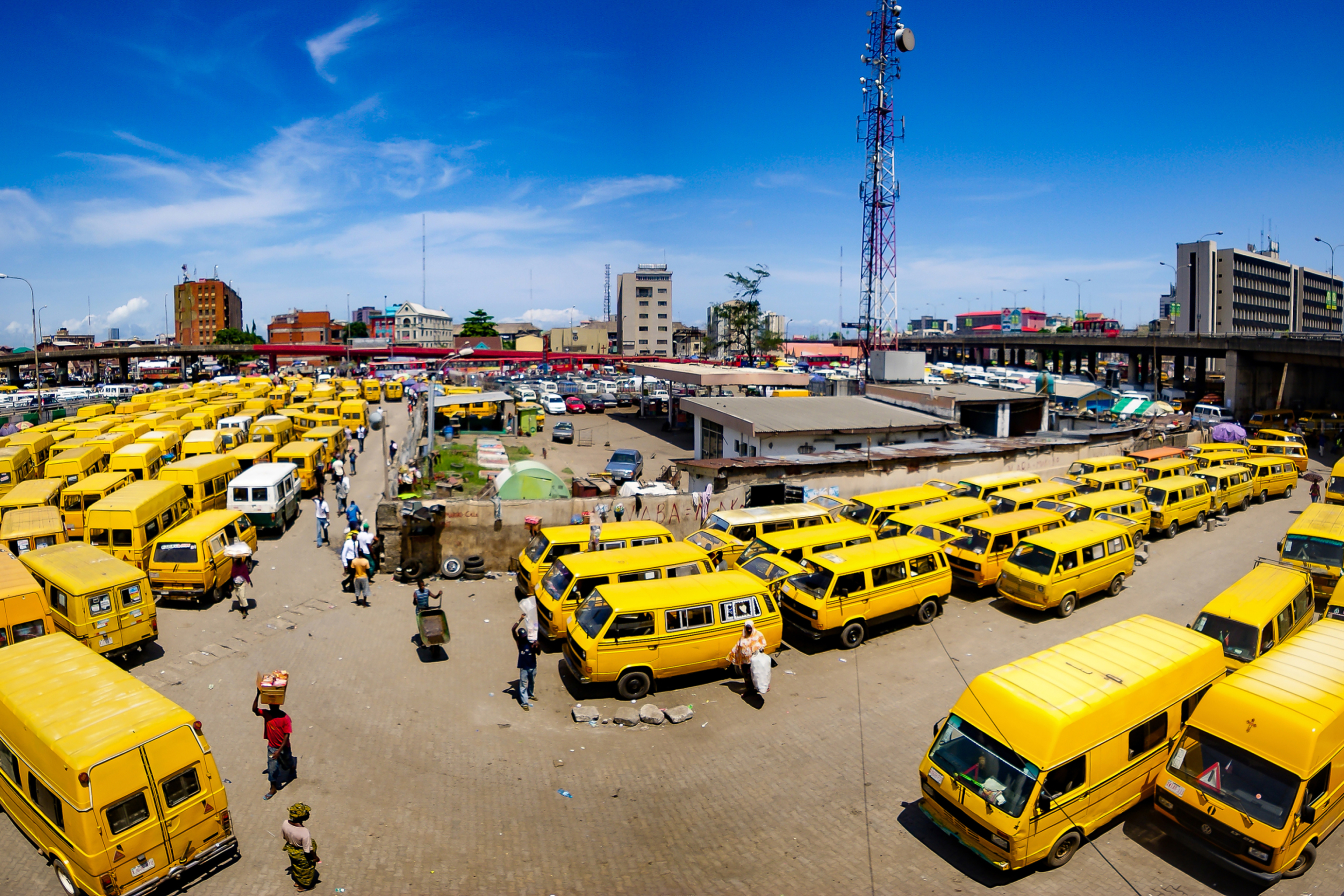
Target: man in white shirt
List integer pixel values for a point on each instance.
(321, 511)
(365, 539)
(349, 551)
(343, 492)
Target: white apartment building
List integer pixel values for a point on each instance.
(1231, 291)
(423, 326)
(644, 323)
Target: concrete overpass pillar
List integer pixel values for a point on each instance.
(1233, 397)
(1133, 369)
(64, 372)
(1178, 372)
(1005, 415)
(1201, 368)
(1092, 363)
(13, 375)
(124, 368)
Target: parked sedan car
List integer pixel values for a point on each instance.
(574, 405)
(609, 400)
(625, 464)
(624, 400)
(553, 404)
(563, 432)
(595, 404)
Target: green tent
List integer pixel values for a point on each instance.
(529, 479)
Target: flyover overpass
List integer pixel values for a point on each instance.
(1261, 370)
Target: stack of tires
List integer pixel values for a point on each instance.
(472, 568)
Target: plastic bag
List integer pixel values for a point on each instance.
(760, 672)
(529, 607)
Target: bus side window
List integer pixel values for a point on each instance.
(1317, 786)
(1067, 778)
(1143, 738)
(1302, 605)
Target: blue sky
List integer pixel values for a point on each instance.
(296, 146)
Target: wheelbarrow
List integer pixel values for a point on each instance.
(433, 626)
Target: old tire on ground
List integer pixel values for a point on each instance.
(633, 685)
(411, 569)
(473, 575)
(851, 636)
(1305, 859)
(1173, 529)
(1117, 584)
(475, 561)
(927, 612)
(452, 568)
(1067, 606)
(1288, 492)
(1064, 849)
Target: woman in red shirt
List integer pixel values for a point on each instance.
(279, 757)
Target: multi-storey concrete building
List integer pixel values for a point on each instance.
(203, 307)
(423, 326)
(1221, 291)
(644, 311)
(300, 328)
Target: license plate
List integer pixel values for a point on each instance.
(153, 575)
(140, 869)
(935, 774)
(135, 613)
(105, 641)
(1175, 788)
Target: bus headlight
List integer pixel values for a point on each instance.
(1258, 854)
(1000, 842)
(1164, 802)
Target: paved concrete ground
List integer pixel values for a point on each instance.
(621, 428)
(426, 777)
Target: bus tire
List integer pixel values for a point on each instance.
(1288, 492)
(927, 612)
(1305, 859)
(851, 636)
(1064, 849)
(1067, 606)
(1199, 520)
(1173, 529)
(1117, 584)
(1264, 495)
(67, 883)
(452, 568)
(1246, 503)
(633, 684)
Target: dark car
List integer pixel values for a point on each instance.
(625, 463)
(609, 400)
(595, 405)
(624, 400)
(574, 405)
(563, 432)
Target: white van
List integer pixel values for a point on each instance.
(588, 388)
(268, 494)
(1211, 415)
(243, 423)
(525, 394)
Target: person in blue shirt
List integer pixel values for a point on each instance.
(421, 595)
(352, 515)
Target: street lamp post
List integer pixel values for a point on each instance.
(1331, 247)
(37, 363)
(1078, 283)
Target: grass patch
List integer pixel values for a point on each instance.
(517, 452)
(567, 471)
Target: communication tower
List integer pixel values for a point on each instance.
(606, 296)
(879, 131)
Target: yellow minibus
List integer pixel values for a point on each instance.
(354, 413)
(23, 606)
(1280, 435)
(307, 457)
(1081, 508)
(122, 790)
(329, 412)
(1229, 486)
(1278, 418)
(90, 428)
(1088, 466)
(638, 632)
(951, 513)
(125, 522)
(1315, 542)
(1253, 783)
(250, 453)
(100, 601)
(333, 437)
(190, 561)
(30, 528)
(1272, 477)
(553, 542)
(76, 464)
(850, 590)
(204, 478)
(202, 418)
(392, 390)
(1223, 454)
(977, 556)
(167, 441)
(39, 446)
(795, 544)
(1260, 610)
(1294, 451)
(1168, 467)
(983, 487)
(273, 429)
(1176, 502)
(1109, 480)
(142, 460)
(16, 465)
(95, 410)
(1025, 497)
(32, 493)
(372, 391)
(1334, 489)
(571, 579)
(1058, 569)
(744, 524)
(1040, 753)
(136, 428)
(112, 441)
(203, 441)
(77, 498)
(873, 508)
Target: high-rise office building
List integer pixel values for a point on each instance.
(644, 311)
(1230, 291)
(203, 307)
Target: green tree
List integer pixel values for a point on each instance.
(235, 336)
(356, 330)
(837, 337)
(742, 324)
(478, 323)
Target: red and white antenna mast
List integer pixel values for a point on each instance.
(879, 131)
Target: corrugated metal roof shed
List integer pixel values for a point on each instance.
(764, 416)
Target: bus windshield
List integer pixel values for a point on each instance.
(1238, 638)
(593, 615)
(557, 580)
(814, 583)
(1312, 549)
(857, 512)
(1245, 781)
(755, 549)
(988, 768)
(1034, 558)
(975, 541)
(537, 546)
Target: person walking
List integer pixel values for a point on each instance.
(361, 434)
(376, 550)
(391, 453)
(365, 541)
(342, 490)
(746, 647)
(352, 515)
(300, 847)
(338, 465)
(527, 663)
(350, 458)
(349, 551)
(420, 597)
(1315, 492)
(322, 511)
(360, 565)
(277, 729)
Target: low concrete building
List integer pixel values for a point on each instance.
(988, 412)
(1075, 396)
(773, 427)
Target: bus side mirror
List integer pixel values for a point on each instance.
(938, 724)
(1308, 814)
(1279, 547)
(1043, 804)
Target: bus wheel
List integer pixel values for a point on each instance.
(1173, 529)
(927, 612)
(1199, 520)
(633, 685)
(1067, 606)
(1117, 583)
(851, 636)
(1305, 859)
(1264, 496)
(1064, 849)
(1288, 492)
(1246, 502)
(68, 885)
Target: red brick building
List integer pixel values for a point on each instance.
(203, 307)
(301, 328)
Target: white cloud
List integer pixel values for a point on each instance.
(613, 188)
(16, 327)
(127, 311)
(555, 316)
(21, 217)
(325, 46)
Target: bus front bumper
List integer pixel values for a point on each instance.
(1213, 854)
